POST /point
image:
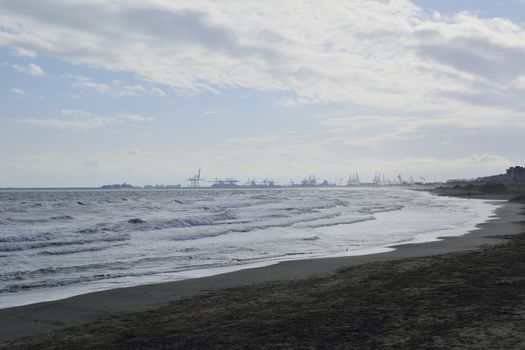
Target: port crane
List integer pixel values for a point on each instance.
(195, 180)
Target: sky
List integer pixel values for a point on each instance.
(147, 92)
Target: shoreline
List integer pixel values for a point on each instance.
(35, 319)
(17, 300)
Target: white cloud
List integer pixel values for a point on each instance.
(157, 91)
(31, 68)
(35, 70)
(25, 53)
(119, 89)
(266, 139)
(372, 130)
(136, 117)
(92, 123)
(101, 88)
(132, 90)
(76, 113)
(83, 120)
(382, 53)
(18, 91)
(366, 121)
(83, 82)
(76, 119)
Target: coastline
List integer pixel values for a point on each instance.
(35, 319)
(388, 223)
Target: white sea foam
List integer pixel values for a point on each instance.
(55, 244)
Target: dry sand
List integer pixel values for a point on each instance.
(42, 318)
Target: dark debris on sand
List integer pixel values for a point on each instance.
(466, 300)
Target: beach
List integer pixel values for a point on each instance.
(416, 294)
(262, 174)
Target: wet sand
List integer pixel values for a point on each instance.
(206, 303)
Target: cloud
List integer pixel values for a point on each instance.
(18, 91)
(202, 46)
(92, 123)
(117, 89)
(253, 140)
(336, 51)
(100, 88)
(83, 120)
(373, 130)
(137, 89)
(76, 119)
(132, 90)
(157, 91)
(366, 121)
(31, 68)
(369, 130)
(136, 117)
(342, 54)
(34, 69)
(77, 113)
(25, 53)
(478, 56)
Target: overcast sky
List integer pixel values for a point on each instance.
(96, 92)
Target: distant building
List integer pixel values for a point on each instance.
(116, 186)
(162, 187)
(513, 175)
(516, 174)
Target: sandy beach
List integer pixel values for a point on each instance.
(150, 303)
(262, 174)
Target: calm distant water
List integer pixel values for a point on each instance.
(60, 243)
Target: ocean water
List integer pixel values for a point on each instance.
(59, 243)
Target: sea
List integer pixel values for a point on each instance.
(60, 243)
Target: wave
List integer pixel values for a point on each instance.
(268, 257)
(20, 221)
(44, 276)
(75, 251)
(313, 238)
(44, 236)
(62, 217)
(39, 279)
(321, 223)
(50, 283)
(251, 226)
(140, 225)
(16, 221)
(380, 209)
(12, 210)
(40, 245)
(198, 221)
